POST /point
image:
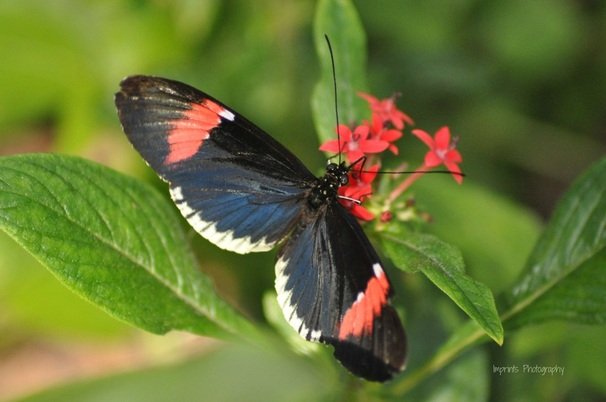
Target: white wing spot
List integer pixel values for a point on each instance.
(208, 229)
(284, 300)
(226, 114)
(176, 194)
(376, 267)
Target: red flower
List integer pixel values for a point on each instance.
(386, 110)
(355, 144)
(441, 151)
(379, 131)
(385, 127)
(358, 188)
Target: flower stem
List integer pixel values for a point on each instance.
(405, 184)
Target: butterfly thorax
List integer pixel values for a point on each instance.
(325, 189)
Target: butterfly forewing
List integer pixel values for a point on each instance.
(236, 185)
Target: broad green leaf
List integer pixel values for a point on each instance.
(581, 297)
(63, 313)
(564, 277)
(443, 265)
(112, 240)
(235, 372)
(340, 21)
(494, 234)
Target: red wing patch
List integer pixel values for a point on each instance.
(188, 133)
(359, 318)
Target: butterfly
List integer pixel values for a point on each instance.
(245, 192)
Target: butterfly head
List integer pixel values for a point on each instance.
(325, 189)
(338, 173)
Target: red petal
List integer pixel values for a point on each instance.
(391, 135)
(361, 192)
(376, 127)
(423, 136)
(361, 132)
(369, 175)
(330, 146)
(362, 213)
(373, 146)
(431, 159)
(443, 138)
(354, 155)
(396, 121)
(453, 156)
(344, 132)
(348, 192)
(372, 101)
(404, 117)
(453, 167)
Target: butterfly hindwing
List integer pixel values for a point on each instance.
(236, 185)
(332, 288)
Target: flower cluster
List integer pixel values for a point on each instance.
(364, 143)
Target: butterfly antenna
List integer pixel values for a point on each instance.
(334, 81)
(362, 161)
(417, 171)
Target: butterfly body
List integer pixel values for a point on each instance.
(245, 192)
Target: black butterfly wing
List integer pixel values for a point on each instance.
(237, 186)
(332, 288)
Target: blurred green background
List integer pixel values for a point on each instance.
(522, 82)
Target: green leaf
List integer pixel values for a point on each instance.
(112, 240)
(21, 308)
(564, 276)
(494, 234)
(443, 265)
(340, 21)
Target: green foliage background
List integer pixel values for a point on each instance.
(522, 82)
